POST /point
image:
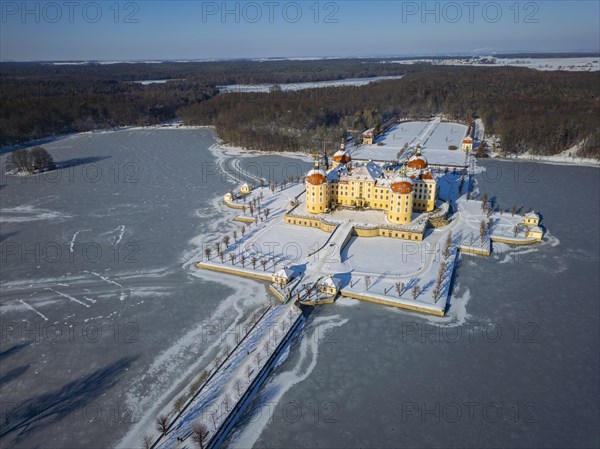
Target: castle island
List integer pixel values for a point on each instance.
(381, 221)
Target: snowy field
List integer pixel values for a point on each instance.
(434, 136)
(266, 88)
(587, 64)
(393, 141)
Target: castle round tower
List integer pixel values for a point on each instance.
(418, 161)
(317, 198)
(401, 201)
(341, 156)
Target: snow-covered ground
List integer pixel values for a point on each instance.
(266, 88)
(567, 157)
(587, 64)
(218, 397)
(434, 136)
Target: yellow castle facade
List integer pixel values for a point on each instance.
(398, 192)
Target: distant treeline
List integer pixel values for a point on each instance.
(40, 99)
(36, 109)
(215, 73)
(544, 112)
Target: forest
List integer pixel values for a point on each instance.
(542, 112)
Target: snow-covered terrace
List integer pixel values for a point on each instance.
(434, 136)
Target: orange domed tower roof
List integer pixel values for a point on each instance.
(427, 175)
(418, 162)
(402, 185)
(341, 157)
(316, 177)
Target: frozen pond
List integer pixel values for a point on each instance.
(102, 318)
(266, 88)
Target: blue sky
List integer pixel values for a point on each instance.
(109, 30)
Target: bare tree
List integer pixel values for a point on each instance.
(162, 423)
(415, 291)
(218, 246)
(226, 241)
(243, 260)
(234, 235)
(266, 212)
(249, 371)
(207, 252)
(217, 361)
(222, 256)
(21, 161)
(254, 260)
(267, 346)
(482, 231)
(238, 385)
(513, 210)
(243, 230)
(442, 271)
(227, 403)
(203, 376)
(484, 201)
(147, 442)
(179, 403)
(399, 288)
(367, 281)
(258, 359)
(214, 416)
(448, 246)
(264, 264)
(200, 434)
(41, 159)
(232, 258)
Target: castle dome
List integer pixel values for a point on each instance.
(427, 175)
(402, 185)
(419, 162)
(341, 157)
(316, 177)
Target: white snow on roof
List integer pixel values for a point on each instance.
(285, 273)
(330, 281)
(317, 171)
(532, 215)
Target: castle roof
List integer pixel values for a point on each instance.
(330, 281)
(316, 176)
(342, 157)
(368, 171)
(402, 184)
(284, 273)
(418, 162)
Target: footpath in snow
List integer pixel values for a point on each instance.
(233, 384)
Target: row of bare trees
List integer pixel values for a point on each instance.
(200, 431)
